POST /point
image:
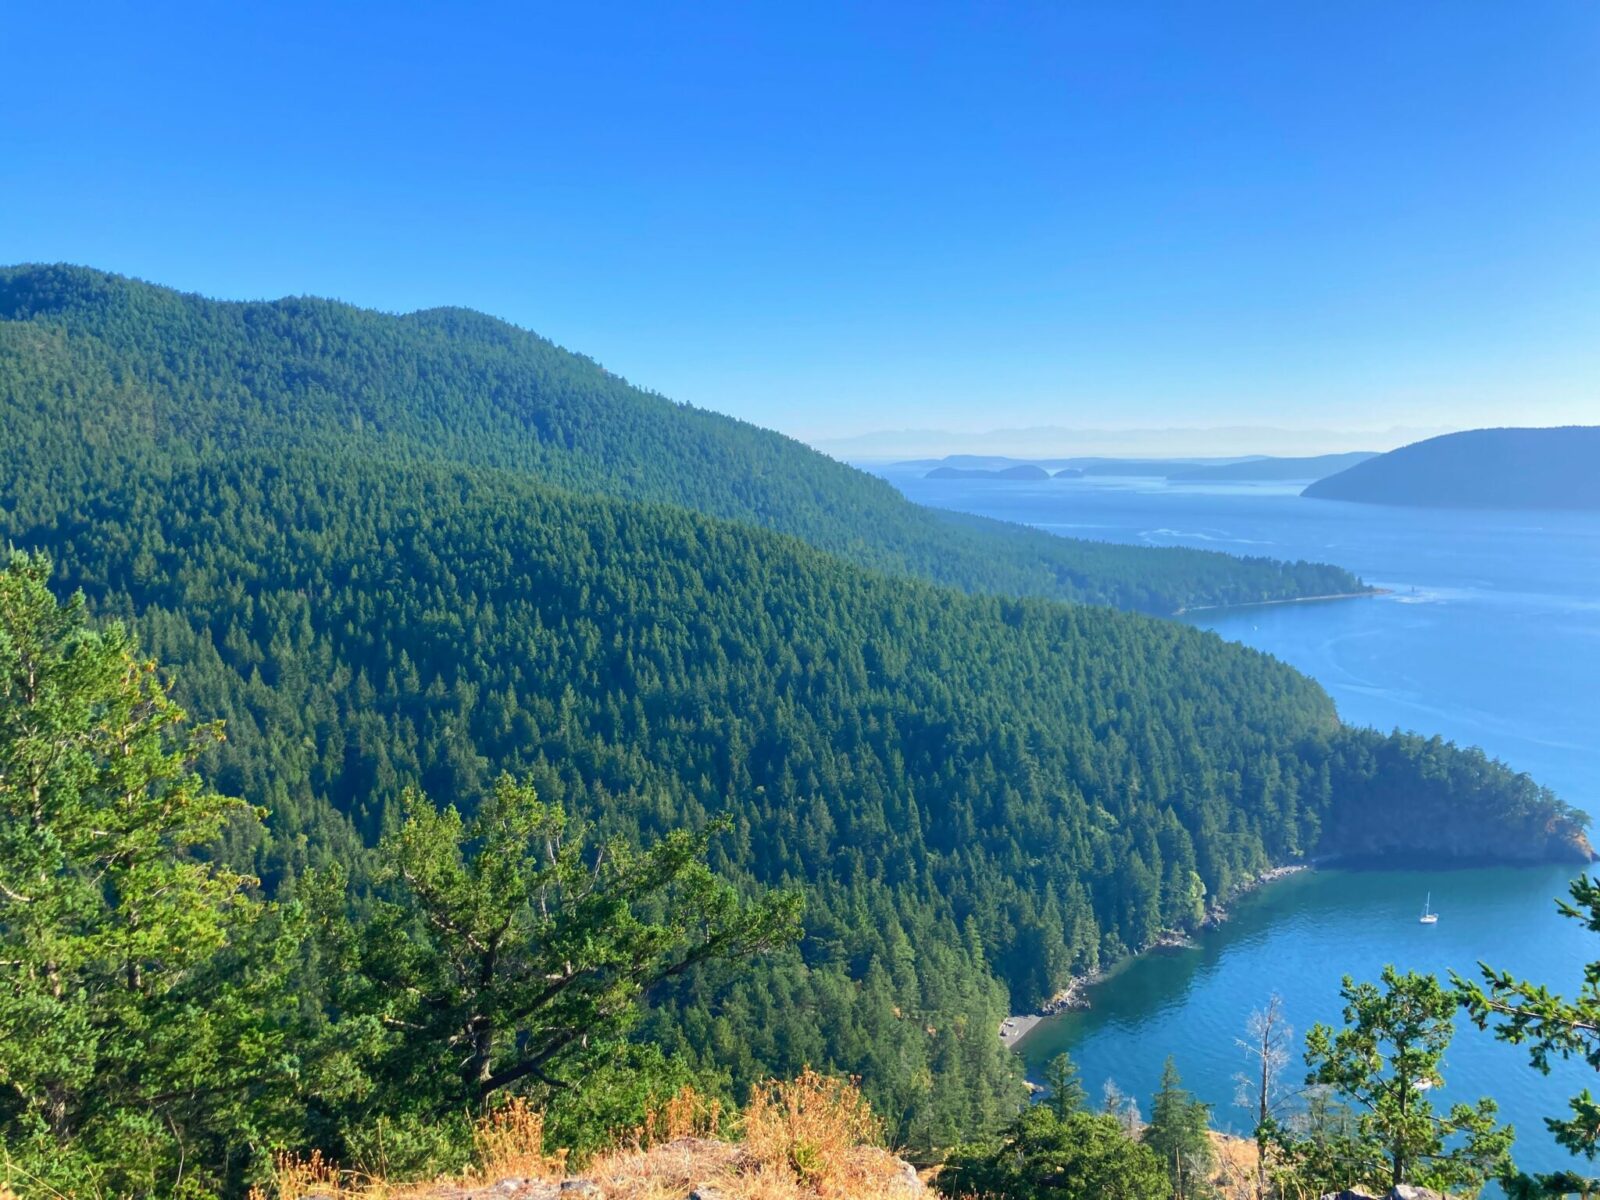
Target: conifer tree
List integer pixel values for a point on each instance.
(1178, 1134)
(1066, 1088)
(1385, 1060)
(1084, 1156)
(1550, 1026)
(516, 953)
(140, 1040)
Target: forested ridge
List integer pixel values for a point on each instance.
(95, 362)
(978, 794)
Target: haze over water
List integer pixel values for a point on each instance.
(1490, 636)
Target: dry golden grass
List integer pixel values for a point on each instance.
(509, 1143)
(685, 1114)
(1237, 1158)
(672, 1171)
(294, 1177)
(810, 1126)
(810, 1138)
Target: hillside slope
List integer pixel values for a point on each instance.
(94, 364)
(1480, 468)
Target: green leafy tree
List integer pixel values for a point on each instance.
(141, 1053)
(514, 954)
(1178, 1134)
(1066, 1088)
(1082, 1156)
(1385, 1061)
(1529, 1014)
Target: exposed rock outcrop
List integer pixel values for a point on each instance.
(689, 1168)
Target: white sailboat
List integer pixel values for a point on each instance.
(1429, 917)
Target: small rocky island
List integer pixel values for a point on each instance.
(1021, 471)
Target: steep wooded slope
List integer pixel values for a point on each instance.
(91, 362)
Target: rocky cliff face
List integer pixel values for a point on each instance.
(1405, 796)
(1458, 838)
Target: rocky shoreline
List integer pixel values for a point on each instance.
(1194, 608)
(1074, 996)
(1217, 913)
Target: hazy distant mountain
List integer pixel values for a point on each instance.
(1084, 463)
(1261, 470)
(1481, 468)
(1044, 443)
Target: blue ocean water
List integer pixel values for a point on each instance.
(1490, 635)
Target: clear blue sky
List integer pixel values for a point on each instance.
(831, 219)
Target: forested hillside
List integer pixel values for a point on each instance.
(90, 361)
(977, 794)
(968, 787)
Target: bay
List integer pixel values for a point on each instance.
(1489, 635)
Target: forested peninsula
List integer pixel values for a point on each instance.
(424, 556)
(1479, 468)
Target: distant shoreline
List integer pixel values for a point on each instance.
(1194, 608)
(1017, 1026)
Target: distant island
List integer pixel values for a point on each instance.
(1025, 471)
(1481, 468)
(1258, 469)
(1262, 470)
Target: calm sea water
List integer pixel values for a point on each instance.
(1490, 636)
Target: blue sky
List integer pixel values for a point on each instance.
(833, 219)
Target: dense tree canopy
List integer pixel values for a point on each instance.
(95, 366)
(968, 787)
